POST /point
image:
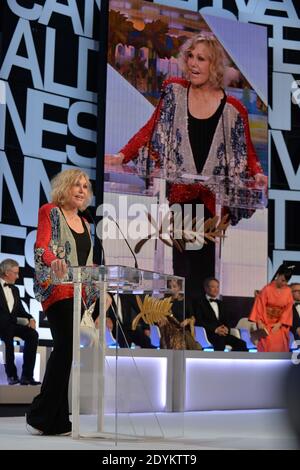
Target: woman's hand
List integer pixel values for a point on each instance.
(109, 323)
(185, 322)
(261, 325)
(221, 330)
(261, 180)
(32, 323)
(116, 159)
(276, 327)
(59, 268)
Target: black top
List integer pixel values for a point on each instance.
(201, 133)
(83, 244)
(8, 318)
(177, 309)
(206, 317)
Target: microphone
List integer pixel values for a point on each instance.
(88, 216)
(132, 252)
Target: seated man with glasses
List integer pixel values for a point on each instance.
(210, 314)
(13, 323)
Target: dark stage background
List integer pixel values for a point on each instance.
(52, 109)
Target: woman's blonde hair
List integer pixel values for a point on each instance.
(216, 56)
(62, 183)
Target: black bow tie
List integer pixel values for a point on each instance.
(296, 303)
(213, 300)
(6, 285)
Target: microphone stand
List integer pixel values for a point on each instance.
(119, 228)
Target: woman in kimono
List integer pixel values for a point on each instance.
(273, 312)
(196, 128)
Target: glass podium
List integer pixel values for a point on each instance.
(231, 195)
(125, 391)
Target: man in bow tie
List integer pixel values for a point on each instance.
(295, 288)
(15, 321)
(210, 314)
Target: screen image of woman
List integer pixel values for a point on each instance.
(197, 128)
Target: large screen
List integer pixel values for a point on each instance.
(144, 46)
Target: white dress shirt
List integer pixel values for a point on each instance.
(214, 306)
(8, 295)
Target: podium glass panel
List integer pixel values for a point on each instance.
(229, 195)
(119, 388)
(229, 191)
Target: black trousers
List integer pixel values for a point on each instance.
(219, 342)
(30, 337)
(49, 411)
(195, 265)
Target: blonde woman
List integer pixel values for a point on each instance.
(63, 239)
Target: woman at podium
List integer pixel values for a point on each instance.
(196, 129)
(273, 313)
(63, 239)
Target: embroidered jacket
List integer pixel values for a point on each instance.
(55, 240)
(166, 135)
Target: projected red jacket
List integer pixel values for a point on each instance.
(165, 135)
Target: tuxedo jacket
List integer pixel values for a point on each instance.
(7, 317)
(205, 315)
(296, 322)
(130, 309)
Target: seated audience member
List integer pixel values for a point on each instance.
(210, 314)
(175, 286)
(295, 288)
(272, 312)
(12, 314)
(125, 312)
(176, 330)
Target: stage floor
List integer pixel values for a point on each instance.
(253, 429)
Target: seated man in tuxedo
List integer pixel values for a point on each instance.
(11, 311)
(295, 288)
(210, 314)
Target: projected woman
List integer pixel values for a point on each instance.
(198, 129)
